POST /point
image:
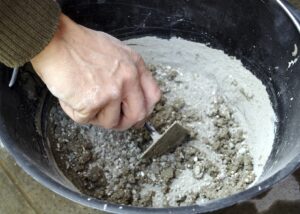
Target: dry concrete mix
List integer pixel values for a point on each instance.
(225, 107)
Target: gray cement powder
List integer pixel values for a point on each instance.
(226, 108)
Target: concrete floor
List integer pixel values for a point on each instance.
(20, 194)
(295, 2)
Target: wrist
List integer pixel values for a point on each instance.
(55, 46)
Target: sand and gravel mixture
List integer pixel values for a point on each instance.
(225, 107)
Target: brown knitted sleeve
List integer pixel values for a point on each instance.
(26, 27)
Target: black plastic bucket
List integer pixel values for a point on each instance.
(262, 33)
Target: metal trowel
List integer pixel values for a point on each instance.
(174, 136)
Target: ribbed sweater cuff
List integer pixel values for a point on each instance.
(26, 27)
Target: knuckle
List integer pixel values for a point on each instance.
(130, 73)
(114, 93)
(110, 125)
(137, 57)
(106, 121)
(132, 53)
(138, 116)
(87, 110)
(80, 117)
(127, 49)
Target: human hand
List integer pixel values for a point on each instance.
(97, 79)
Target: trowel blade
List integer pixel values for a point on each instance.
(174, 136)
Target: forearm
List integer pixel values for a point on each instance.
(26, 27)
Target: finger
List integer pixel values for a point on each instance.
(109, 116)
(140, 124)
(133, 108)
(149, 86)
(74, 115)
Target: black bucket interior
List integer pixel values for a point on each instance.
(259, 33)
